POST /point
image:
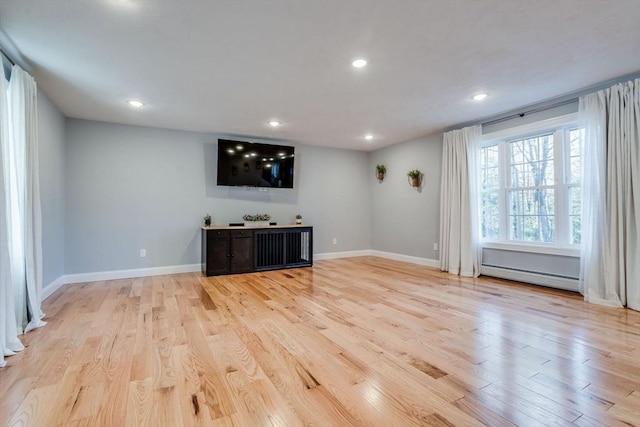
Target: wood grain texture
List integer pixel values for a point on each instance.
(350, 342)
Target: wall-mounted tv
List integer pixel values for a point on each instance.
(252, 164)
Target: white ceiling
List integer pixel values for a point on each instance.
(231, 66)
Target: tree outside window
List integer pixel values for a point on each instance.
(531, 188)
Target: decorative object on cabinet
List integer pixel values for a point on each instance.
(257, 220)
(207, 220)
(298, 219)
(414, 177)
(381, 170)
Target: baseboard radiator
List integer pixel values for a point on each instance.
(533, 277)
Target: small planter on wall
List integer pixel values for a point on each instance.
(381, 170)
(415, 178)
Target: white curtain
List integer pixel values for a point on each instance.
(20, 219)
(24, 124)
(610, 258)
(9, 342)
(459, 231)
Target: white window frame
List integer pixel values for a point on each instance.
(559, 126)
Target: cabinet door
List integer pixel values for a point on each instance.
(217, 252)
(241, 252)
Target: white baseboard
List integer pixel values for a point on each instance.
(528, 277)
(125, 274)
(344, 254)
(48, 290)
(370, 252)
(428, 262)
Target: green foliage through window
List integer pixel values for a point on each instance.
(531, 188)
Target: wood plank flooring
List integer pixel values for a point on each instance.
(360, 341)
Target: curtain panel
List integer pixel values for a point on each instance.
(9, 342)
(610, 252)
(23, 105)
(20, 212)
(459, 230)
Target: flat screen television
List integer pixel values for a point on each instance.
(252, 164)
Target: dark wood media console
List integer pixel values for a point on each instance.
(232, 250)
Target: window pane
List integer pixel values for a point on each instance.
(575, 205)
(490, 195)
(489, 158)
(576, 230)
(532, 215)
(491, 178)
(532, 202)
(490, 219)
(575, 155)
(575, 141)
(575, 201)
(517, 152)
(532, 162)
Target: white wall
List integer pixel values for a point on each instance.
(51, 134)
(130, 188)
(404, 220)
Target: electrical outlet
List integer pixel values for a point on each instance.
(435, 246)
(143, 253)
(335, 240)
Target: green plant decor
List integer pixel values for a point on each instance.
(257, 217)
(381, 169)
(413, 174)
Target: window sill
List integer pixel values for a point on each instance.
(533, 248)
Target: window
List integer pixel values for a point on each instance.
(530, 180)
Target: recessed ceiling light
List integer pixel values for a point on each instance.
(368, 137)
(135, 104)
(359, 63)
(480, 96)
(274, 123)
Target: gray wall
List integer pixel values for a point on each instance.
(405, 220)
(131, 188)
(51, 134)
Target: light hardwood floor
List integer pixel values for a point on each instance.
(361, 341)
